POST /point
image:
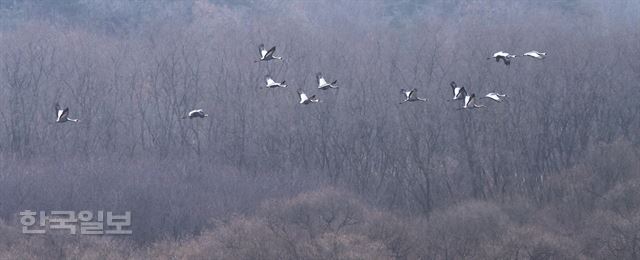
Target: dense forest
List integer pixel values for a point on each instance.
(553, 172)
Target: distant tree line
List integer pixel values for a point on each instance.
(564, 146)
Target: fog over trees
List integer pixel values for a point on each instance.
(551, 173)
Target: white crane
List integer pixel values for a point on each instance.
(267, 55)
(62, 115)
(305, 100)
(504, 56)
(458, 92)
(497, 97)
(536, 54)
(272, 84)
(470, 102)
(322, 83)
(411, 96)
(197, 113)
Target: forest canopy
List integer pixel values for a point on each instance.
(550, 173)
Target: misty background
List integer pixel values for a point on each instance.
(551, 173)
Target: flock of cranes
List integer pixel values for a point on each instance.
(459, 93)
(410, 95)
(506, 57)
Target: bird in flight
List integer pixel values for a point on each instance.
(504, 56)
(305, 100)
(62, 115)
(266, 55)
(536, 54)
(470, 102)
(497, 97)
(272, 84)
(458, 92)
(322, 83)
(411, 96)
(197, 113)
